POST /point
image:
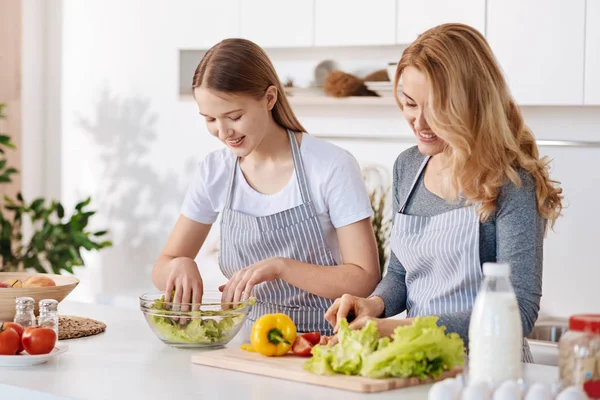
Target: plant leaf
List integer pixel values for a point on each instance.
(60, 211)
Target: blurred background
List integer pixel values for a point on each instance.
(98, 105)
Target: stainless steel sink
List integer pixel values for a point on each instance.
(543, 341)
(547, 333)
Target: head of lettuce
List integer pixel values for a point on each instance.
(422, 349)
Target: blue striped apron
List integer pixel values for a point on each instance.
(441, 257)
(295, 233)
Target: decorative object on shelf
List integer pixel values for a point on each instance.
(376, 179)
(55, 240)
(377, 76)
(382, 88)
(322, 69)
(288, 86)
(342, 84)
(391, 70)
(289, 83)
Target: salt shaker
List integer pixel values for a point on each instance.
(49, 315)
(24, 315)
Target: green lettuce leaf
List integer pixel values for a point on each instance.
(421, 349)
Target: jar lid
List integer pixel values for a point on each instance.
(592, 389)
(585, 323)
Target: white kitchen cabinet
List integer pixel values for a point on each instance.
(202, 24)
(355, 22)
(415, 17)
(276, 23)
(592, 53)
(571, 268)
(540, 46)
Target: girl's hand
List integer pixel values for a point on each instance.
(239, 287)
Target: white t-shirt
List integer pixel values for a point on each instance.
(334, 180)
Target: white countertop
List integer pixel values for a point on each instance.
(129, 362)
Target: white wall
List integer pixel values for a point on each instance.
(126, 139)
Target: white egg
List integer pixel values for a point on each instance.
(571, 393)
(454, 385)
(476, 391)
(509, 390)
(441, 391)
(537, 391)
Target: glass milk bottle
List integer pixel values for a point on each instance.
(495, 331)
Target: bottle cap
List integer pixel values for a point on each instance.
(496, 269)
(48, 304)
(24, 300)
(589, 323)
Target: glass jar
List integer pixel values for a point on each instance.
(24, 315)
(49, 315)
(579, 354)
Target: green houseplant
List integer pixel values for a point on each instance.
(54, 240)
(376, 181)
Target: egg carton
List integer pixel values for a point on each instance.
(457, 389)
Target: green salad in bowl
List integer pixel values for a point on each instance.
(193, 325)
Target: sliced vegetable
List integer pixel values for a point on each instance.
(313, 337)
(248, 347)
(302, 346)
(273, 334)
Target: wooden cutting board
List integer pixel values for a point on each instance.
(290, 367)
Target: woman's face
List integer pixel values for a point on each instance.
(239, 121)
(414, 97)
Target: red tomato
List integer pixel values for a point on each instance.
(313, 337)
(37, 340)
(9, 341)
(301, 347)
(19, 329)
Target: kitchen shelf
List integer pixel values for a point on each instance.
(311, 97)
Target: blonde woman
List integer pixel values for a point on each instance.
(473, 190)
(295, 214)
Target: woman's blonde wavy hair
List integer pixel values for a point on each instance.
(471, 109)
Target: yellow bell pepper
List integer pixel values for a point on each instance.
(273, 334)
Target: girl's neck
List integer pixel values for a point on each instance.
(274, 146)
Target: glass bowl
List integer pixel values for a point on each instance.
(193, 325)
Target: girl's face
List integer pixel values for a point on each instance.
(414, 97)
(240, 121)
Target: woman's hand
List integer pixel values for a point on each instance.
(184, 278)
(240, 285)
(360, 307)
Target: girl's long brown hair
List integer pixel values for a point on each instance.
(470, 107)
(239, 66)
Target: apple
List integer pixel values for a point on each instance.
(38, 281)
(3, 285)
(13, 283)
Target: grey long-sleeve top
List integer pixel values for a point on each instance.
(514, 234)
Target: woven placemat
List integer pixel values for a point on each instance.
(70, 327)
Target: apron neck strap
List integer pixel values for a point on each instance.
(298, 170)
(414, 183)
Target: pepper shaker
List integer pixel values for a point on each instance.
(49, 315)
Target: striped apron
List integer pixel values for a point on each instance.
(441, 257)
(295, 233)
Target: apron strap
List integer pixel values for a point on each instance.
(298, 169)
(414, 183)
(231, 183)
